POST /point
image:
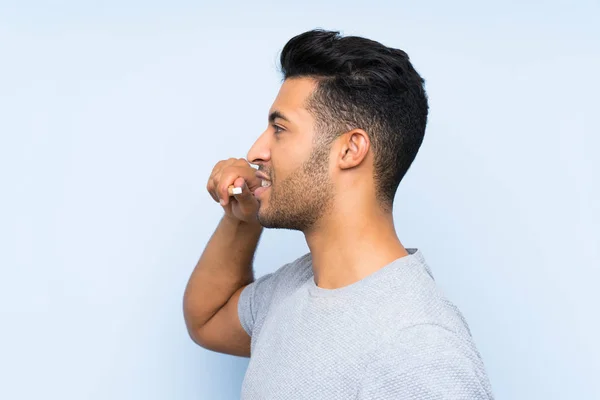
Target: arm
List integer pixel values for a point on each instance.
(225, 267)
(212, 292)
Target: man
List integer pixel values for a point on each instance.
(359, 316)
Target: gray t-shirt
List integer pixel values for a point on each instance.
(391, 335)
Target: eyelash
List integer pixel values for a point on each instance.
(276, 131)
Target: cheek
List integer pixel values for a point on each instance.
(285, 166)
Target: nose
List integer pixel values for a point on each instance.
(259, 152)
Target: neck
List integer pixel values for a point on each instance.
(348, 246)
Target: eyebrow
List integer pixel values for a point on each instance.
(277, 114)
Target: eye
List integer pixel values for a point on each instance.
(277, 129)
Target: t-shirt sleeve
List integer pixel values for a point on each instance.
(255, 299)
(425, 362)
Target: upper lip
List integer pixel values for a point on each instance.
(260, 175)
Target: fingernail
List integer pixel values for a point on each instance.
(222, 202)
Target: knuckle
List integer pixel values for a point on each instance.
(223, 187)
(210, 185)
(218, 165)
(228, 175)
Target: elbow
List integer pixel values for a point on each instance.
(195, 333)
(194, 328)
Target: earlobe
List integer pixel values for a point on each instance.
(355, 146)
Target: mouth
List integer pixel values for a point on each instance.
(265, 185)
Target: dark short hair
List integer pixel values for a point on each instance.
(363, 84)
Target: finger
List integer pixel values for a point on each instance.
(229, 176)
(245, 199)
(246, 172)
(219, 166)
(210, 187)
(240, 190)
(232, 190)
(220, 178)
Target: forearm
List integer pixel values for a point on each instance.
(224, 267)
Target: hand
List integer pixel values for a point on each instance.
(239, 173)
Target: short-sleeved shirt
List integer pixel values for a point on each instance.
(391, 335)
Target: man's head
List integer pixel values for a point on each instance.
(348, 121)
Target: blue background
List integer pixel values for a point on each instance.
(112, 115)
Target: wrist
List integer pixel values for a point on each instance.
(235, 222)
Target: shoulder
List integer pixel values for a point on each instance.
(413, 301)
(297, 267)
(285, 278)
(291, 276)
(423, 341)
(257, 298)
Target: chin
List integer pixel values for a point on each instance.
(262, 217)
(267, 221)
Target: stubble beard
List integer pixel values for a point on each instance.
(303, 198)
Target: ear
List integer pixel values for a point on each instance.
(353, 149)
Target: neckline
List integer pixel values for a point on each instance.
(414, 257)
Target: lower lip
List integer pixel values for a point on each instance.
(261, 190)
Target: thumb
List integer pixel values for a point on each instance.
(246, 193)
